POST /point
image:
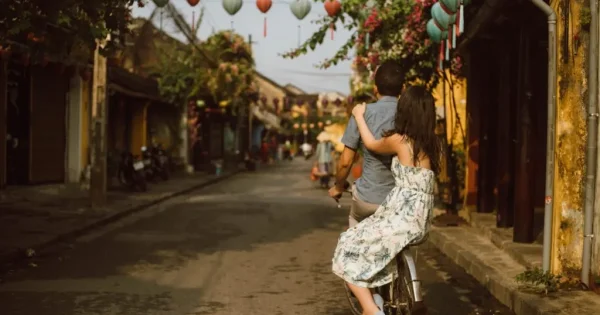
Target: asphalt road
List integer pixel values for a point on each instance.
(259, 243)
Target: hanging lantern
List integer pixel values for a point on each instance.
(333, 8)
(300, 9)
(163, 3)
(320, 124)
(264, 6)
(193, 3)
(232, 6)
(440, 16)
(311, 126)
(435, 31)
(324, 102)
(296, 126)
(444, 19)
(450, 5)
(337, 102)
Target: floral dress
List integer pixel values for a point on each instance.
(365, 253)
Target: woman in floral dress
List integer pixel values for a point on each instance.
(365, 254)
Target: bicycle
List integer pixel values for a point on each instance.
(403, 296)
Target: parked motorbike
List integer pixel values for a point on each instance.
(150, 172)
(161, 161)
(131, 172)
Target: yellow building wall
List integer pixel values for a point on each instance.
(138, 127)
(86, 96)
(570, 144)
(456, 128)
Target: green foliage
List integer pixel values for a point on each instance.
(382, 30)
(183, 73)
(60, 27)
(545, 281)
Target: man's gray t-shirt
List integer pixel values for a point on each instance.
(377, 180)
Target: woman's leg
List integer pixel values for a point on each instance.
(365, 298)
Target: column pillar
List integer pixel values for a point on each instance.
(75, 131)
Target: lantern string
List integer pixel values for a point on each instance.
(461, 23)
(332, 30)
(265, 27)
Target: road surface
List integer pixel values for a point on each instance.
(259, 243)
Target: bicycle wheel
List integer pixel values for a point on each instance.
(353, 301)
(404, 296)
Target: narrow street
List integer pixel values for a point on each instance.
(259, 243)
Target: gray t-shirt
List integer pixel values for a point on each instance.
(377, 180)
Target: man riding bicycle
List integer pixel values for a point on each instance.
(370, 190)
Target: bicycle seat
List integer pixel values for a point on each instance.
(419, 241)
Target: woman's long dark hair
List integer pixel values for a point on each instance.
(416, 119)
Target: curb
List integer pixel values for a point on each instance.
(496, 271)
(14, 257)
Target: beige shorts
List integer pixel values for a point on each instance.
(360, 210)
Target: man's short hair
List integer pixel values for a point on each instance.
(389, 79)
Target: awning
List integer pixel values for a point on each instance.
(270, 120)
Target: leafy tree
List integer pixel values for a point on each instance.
(63, 29)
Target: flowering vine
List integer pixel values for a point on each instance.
(384, 30)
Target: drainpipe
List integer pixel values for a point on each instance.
(592, 146)
(550, 135)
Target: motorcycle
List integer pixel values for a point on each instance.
(161, 162)
(149, 164)
(131, 172)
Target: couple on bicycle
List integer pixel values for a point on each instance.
(393, 199)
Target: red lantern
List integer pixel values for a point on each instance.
(193, 3)
(333, 8)
(264, 6)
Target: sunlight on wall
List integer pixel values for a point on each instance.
(570, 145)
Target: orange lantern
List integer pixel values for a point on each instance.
(264, 6)
(333, 8)
(193, 3)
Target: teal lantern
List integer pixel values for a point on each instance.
(435, 31)
(440, 16)
(161, 3)
(300, 8)
(450, 6)
(232, 6)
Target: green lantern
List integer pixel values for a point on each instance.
(161, 3)
(440, 16)
(450, 6)
(232, 6)
(300, 8)
(436, 33)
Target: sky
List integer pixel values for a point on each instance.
(282, 36)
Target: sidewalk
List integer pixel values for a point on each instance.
(36, 217)
(490, 256)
